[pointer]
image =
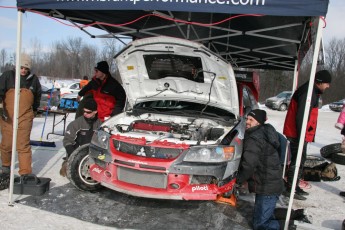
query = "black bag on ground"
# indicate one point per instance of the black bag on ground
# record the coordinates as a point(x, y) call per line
point(318, 168)
point(330, 173)
point(311, 174)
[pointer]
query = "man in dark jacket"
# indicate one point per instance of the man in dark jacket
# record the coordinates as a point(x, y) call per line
point(293, 125)
point(30, 96)
point(80, 131)
point(107, 92)
point(260, 166)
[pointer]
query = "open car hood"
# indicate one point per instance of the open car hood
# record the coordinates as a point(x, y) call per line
point(163, 68)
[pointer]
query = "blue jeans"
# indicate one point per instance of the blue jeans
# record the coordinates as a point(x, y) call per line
point(263, 217)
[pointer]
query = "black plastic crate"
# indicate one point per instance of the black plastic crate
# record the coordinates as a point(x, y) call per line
point(31, 185)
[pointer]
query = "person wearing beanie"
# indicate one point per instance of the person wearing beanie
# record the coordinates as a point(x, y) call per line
point(80, 131)
point(107, 92)
point(293, 126)
point(259, 115)
point(30, 96)
point(260, 167)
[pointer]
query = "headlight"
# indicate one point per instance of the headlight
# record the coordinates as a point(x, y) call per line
point(209, 154)
point(101, 139)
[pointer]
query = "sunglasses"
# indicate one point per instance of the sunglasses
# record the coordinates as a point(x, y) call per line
point(88, 112)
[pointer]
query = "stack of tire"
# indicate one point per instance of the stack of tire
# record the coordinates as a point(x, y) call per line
point(333, 152)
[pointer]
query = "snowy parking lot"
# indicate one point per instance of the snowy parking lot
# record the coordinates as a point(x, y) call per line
point(65, 207)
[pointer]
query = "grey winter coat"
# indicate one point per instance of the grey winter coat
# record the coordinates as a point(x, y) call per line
point(79, 132)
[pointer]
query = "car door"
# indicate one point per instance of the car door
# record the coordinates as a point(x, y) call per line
point(247, 99)
point(75, 87)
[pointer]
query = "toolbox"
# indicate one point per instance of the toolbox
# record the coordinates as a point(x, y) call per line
point(30, 184)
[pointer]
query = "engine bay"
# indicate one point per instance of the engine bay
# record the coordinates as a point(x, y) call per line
point(198, 130)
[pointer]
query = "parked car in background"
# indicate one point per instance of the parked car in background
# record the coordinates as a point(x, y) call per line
point(337, 106)
point(70, 88)
point(280, 102)
point(47, 95)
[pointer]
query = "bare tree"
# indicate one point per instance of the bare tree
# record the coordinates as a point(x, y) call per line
point(3, 59)
point(89, 55)
point(72, 49)
point(35, 54)
point(110, 49)
point(335, 55)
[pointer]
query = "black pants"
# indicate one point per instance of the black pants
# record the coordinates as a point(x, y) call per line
point(291, 171)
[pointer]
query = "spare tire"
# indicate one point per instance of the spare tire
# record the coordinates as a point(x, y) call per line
point(328, 150)
point(338, 158)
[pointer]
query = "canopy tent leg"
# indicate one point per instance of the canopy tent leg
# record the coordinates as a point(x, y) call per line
point(16, 105)
point(318, 31)
point(295, 77)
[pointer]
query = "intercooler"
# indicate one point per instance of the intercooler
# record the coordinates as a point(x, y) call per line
point(143, 178)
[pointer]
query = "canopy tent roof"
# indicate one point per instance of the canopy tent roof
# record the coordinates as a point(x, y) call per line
point(258, 34)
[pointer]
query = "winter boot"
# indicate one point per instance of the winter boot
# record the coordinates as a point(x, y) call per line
point(300, 191)
point(5, 170)
point(63, 170)
point(4, 177)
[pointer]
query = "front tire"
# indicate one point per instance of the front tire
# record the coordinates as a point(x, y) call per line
point(78, 170)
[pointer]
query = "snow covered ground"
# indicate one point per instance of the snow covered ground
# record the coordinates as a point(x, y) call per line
point(64, 207)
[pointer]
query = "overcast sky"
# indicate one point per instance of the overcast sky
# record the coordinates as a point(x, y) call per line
point(47, 31)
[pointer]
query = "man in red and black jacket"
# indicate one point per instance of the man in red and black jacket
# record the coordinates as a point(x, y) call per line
point(106, 91)
point(293, 125)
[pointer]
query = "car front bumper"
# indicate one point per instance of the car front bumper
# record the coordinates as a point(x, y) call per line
point(160, 178)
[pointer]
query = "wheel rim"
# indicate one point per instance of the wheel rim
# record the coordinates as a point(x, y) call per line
point(283, 107)
point(84, 171)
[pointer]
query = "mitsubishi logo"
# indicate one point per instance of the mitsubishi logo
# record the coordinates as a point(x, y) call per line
point(141, 152)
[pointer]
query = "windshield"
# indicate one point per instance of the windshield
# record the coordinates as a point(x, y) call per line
point(284, 95)
point(169, 65)
point(183, 108)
